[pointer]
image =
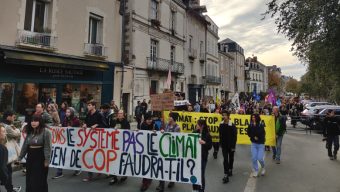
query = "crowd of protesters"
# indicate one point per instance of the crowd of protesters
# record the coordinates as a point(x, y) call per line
point(37, 144)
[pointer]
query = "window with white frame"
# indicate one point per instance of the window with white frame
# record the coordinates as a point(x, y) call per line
point(153, 50)
point(154, 9)
point(95, 29)
point(36, 16)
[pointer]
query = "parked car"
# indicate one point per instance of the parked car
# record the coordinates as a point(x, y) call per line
point(317, 121)
point(313, 104)
point(308, 114)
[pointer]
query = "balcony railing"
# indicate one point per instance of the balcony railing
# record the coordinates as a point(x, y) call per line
point(159, 64)
point(192, 53)
point(36, 40)
point(213, 79)
point(97, 50)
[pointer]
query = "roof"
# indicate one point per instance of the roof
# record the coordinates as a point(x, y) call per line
point(227, 40)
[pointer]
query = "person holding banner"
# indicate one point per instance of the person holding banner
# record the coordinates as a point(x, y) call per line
point(40, 110)
point(94, 119)
point(37, 146)
point(206, 142)
point(147, 125)
point(257, 136)
point(173, 127)
point(120, 123)
point(71, 120)
point(228, 138)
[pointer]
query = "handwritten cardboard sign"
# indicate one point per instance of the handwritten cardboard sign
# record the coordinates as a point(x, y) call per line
point(162, 101)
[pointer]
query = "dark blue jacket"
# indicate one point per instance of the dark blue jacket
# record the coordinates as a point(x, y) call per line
point(257, 131)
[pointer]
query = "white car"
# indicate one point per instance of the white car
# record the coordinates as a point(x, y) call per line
point(314, 104)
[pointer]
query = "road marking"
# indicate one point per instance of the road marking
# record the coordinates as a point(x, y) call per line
point(251, 184)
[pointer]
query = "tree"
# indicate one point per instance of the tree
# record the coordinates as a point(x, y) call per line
point(274, 81)
point(314, 28)
point(305, 21)
point(292, 85)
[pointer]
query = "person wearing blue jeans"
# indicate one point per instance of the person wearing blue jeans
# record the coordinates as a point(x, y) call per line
point(257, 136)
point(280, 130)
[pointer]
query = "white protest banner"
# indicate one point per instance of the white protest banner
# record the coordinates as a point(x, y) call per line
point(172, 157)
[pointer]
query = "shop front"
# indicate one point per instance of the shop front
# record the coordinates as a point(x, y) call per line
point(27, 78)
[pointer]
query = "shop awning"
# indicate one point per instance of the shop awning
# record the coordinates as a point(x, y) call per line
point(27, 58)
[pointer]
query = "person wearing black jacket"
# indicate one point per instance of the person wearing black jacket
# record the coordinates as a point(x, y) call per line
point(206, 142)
point(257, 134)
point(120, 123)
point(331, 134)
point(108, 114)
point(228, 138)
point(94, 119)
point(138, 114)
point(147, 125)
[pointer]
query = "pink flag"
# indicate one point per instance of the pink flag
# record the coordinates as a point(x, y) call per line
point(168, 81)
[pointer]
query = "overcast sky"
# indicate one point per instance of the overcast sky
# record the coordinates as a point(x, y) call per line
point(241, 21)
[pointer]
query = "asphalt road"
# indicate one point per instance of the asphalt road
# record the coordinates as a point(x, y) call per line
point(304, 167)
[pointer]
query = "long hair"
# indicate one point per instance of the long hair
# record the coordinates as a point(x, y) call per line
point(39, 129)
point(65, 104)
point(257, 118)
point(72, 111)
point(53, 108)
point(203, 124)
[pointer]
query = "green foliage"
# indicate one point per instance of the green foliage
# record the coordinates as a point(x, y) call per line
point(314, 28)
point(292, 86)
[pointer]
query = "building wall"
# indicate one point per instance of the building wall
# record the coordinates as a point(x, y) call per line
point(139, 37)
point(68, 21)
point(9, 17)
point(212, 66)
point(226, 61)
point(69, 26)
point(196, 30)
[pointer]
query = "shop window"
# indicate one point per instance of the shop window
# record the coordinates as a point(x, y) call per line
point(6, 96)
point(47, 94)
point(27, 97)
point(77, 96)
